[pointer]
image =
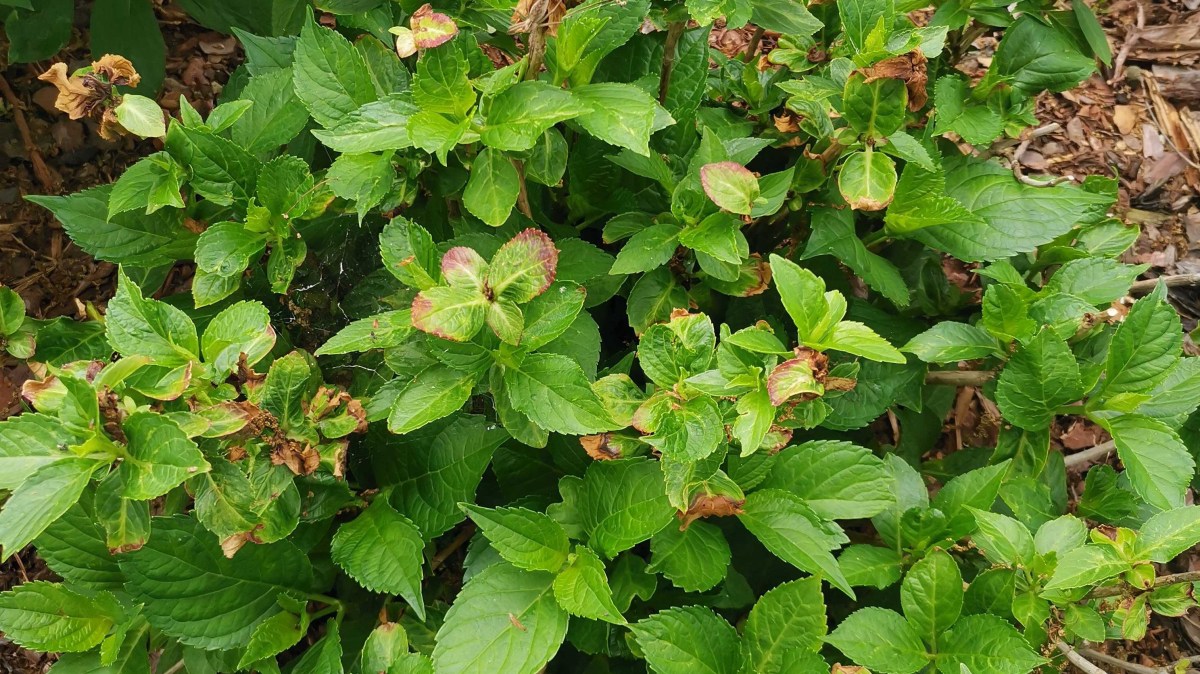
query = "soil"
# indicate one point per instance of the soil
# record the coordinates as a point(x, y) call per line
point(1132, 120)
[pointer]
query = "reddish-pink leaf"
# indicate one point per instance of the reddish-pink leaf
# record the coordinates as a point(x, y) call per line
point(431, 28)
point(730, 185)
point(523, 268)
point(462, 267)
point(450, 313)
point(792, 378)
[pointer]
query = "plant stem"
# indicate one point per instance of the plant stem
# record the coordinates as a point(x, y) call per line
point(326, 599)
point(752, 46)
point(174, 668)
point(442, 555)
point(1173, 281)
point(538, 16)
point(674, 31)
point(43, 173)
point(1088, 455)
point(523, 194)
point(875, 238)
point(1161, 581)
point(1134, 667)
point(1078, 660)
point(959, 377)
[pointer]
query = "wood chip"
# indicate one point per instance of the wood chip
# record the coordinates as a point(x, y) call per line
point(1125, 117)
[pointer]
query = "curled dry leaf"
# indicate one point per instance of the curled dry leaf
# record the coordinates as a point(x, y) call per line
point(911, 68)
point(710, 505)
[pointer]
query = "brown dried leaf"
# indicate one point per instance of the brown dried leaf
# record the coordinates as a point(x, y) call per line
point(911, 68)
point(710, 505)
point(118, 70)
point(74, 98)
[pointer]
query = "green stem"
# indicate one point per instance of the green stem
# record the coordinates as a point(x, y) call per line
point(674, 30)
point(326, 599)
point(875, 238)
point(1161, 581)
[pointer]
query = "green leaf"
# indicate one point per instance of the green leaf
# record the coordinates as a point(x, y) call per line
point(74, 548)
point(126, 522)
point(505, 621)
point(553, 391)
point(1040, 376)
point(524, 538)
point(493, 187)
point(520, 115)
point(221, 170)
point(1006, 314)
point(838, 480)
point(875, 109)
point(648, 249)
point(922, 201)
point(833, 234)
point(192, 592)
point(1085, 566)
point(957, 111)
point(362, 178)
point(227, 248)
point(375, 127)
point(325, 656)
point(241, 330)
point(1168, 534)
point(546, 162)
point(974, 489)
point(1095, 280)
point(1175, 397)
point(1035, 56)
point(277, 116)
point(1003, 540)
point(792, 531)
point(788, 618)
point(273, 636)
point(949, 342)
point(148, 185)
point(40, 500)
point(127, 238)
point(235, 503)
point(1009, 216)
point(409, 253)
point(881, 640)
point(687, 640)
point(582, 588)
point(381, 331)
point(870, 566)
point(695, 559)
point(858, 339)
point(719, 236)
point(12, 311)
point(358, 548)
point(455, 314)
point(784, 16)
point(730, 185)
point(622, 503)
point(433, 469)
point(49, 617)
point(330, 75)
point(29, 442)
point(985, 643)
point(1089, 25)
point(441, 84)
point(803, 296)
point(867, 180)
point(932, 595)
point(549, 315)
point(159, 456)
point(1144, 347)
point(621, 115)
point(1157, 463)
point(141, 116)
point(433, 393)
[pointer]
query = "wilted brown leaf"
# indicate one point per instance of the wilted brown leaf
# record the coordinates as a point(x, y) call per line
point(911, 68)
